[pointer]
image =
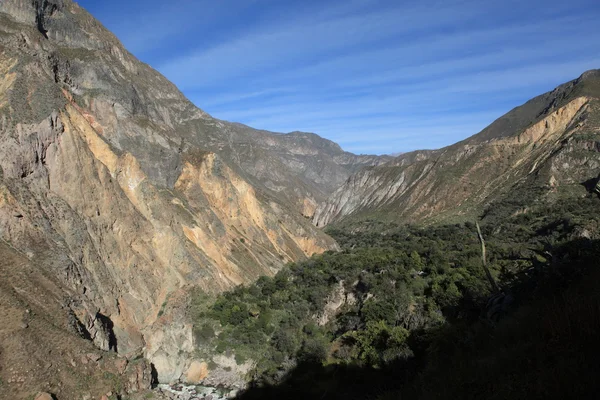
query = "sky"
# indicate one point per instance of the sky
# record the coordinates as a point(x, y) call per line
point(375, 76)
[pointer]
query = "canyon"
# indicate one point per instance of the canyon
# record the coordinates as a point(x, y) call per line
point(120, 201)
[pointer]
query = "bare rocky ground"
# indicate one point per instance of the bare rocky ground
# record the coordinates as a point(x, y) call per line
point(40, 348)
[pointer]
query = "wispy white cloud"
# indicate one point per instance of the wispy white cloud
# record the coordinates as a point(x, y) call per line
point(145, 26)
point(229, 98)
point(302, 40)
point(430, 96)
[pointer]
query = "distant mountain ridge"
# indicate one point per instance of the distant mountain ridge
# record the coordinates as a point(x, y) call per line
point(548, 146)
point(298, 167)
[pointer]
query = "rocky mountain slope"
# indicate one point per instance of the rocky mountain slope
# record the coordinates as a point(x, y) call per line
point(302, 169)
point(130, 197)
point(544, 149)
point(40, 346)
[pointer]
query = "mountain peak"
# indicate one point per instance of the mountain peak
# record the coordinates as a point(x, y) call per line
point(592, 74)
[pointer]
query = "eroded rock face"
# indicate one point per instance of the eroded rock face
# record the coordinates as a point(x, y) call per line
point(228, 373)
point(548, 144)
point(196, 372)
point(133, 196)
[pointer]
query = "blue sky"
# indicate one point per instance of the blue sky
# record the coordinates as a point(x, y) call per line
point(374, 76)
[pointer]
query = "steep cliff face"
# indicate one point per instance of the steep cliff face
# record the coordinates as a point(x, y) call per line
point(549, 146)
point(130, 195)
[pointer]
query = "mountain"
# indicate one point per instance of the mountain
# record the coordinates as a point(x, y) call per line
point(128, 198)
point(545, 149)
point(302, 169)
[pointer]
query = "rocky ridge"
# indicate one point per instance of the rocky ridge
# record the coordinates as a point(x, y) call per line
point(547, 147)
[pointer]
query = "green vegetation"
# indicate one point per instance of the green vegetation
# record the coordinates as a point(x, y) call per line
point(385, 288)
point(399, 296)
point(163, 306)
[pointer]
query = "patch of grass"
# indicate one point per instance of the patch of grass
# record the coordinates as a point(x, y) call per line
point(114, 380)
